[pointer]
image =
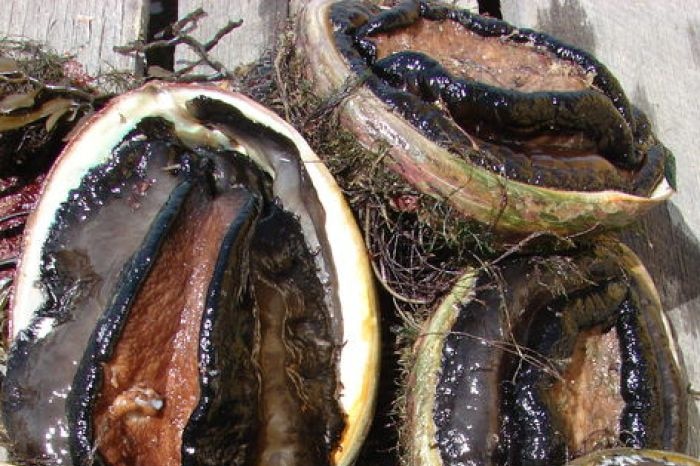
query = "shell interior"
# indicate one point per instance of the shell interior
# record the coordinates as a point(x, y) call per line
point(192, 287)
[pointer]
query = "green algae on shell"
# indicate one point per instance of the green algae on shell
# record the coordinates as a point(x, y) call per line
point(540, 360)
point(193, 289)
point(552, 158)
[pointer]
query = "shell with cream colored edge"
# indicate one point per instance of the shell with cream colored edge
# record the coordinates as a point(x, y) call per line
point(193, 290)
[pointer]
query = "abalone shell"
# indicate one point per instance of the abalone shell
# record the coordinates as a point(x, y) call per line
point(193, 290)
point(538, 360)
point(509, 126)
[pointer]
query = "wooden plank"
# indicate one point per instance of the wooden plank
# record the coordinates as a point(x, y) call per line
point(87, 29)
point(471, 5)
point(262, 21)
point(654, 50)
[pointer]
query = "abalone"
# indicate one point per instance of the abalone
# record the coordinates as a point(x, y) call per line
point(539, 360)
point(509, 126)
point(193, 290)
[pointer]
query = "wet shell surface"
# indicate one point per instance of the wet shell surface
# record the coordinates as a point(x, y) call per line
point(193, 290)
point(510, 126)
point(632, 457)
point(540, 360)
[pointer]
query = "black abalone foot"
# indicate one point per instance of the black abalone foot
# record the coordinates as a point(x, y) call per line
point(508, 116)
point(508, 127)
point(541, 360)
point(76, 273)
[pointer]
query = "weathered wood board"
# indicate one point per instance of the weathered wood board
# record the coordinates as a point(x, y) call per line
point(262, 22)
point(88, 29)
point(654, 50)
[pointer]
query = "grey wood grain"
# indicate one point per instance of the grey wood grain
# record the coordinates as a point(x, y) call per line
point(262, 21)
point(87, 29)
